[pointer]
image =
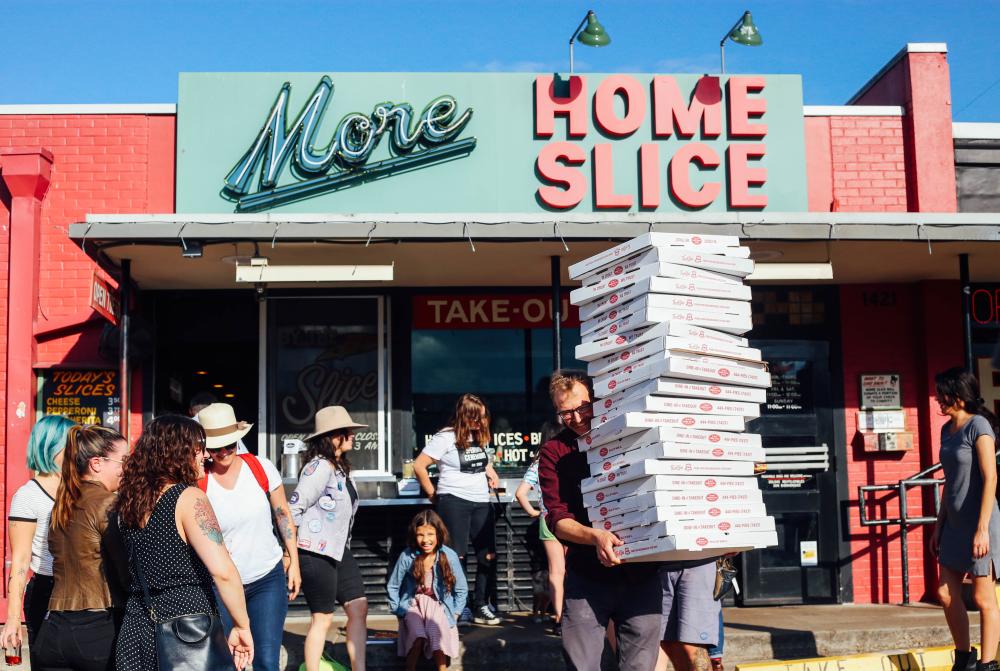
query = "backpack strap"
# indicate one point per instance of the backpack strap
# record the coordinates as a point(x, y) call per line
point(257, 470)
point(203, 484)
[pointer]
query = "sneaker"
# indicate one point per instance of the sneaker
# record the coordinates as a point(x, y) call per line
point(716, 663)
point(485, 616)
point(465, 619)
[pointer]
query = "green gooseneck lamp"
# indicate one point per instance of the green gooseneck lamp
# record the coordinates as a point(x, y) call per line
point(593, 35)
point(743, 32)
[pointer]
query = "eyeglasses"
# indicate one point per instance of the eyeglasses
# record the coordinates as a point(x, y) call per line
point(583, 409)
point(226, 448)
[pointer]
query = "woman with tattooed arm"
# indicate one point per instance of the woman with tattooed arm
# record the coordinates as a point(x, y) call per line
point(247, 495)
point(173, 538)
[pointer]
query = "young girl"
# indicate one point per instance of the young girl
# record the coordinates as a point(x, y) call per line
point(427, 592)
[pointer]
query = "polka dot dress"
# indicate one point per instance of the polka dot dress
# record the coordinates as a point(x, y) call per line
point(178, 582)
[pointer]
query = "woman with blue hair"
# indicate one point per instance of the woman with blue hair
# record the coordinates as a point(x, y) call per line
point(28, 517)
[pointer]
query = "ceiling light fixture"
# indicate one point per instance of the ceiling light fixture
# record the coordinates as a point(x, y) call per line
point(779, 272)
point(260, 271)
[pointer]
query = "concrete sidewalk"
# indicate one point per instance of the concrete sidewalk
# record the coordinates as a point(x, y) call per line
point(752, 634)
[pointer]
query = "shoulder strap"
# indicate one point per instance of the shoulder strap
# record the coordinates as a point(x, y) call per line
point(258, 471)
point(141, 575)
point(203, 484)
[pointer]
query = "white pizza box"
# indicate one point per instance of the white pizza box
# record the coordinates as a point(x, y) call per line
point(653, 257)
point(616, 319)
point(671, 435)
point(687, 303)
point(705, 286)
point(648, 514)
point(713, 244)
point(675, 404)
point(694, 546)
point(666, 386)
point(647, 467)
point(681, 452)
point(712, 503)
point(683, 331)
point(664, 285)
point(678, 483)
point(718, 322)
point(688, 367)
point(710, 347)
point(695, 526)
point(632, 422)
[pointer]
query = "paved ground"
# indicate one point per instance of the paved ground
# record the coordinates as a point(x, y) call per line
point(752, 634)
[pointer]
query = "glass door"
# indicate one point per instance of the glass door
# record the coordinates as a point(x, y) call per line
point(330, 351)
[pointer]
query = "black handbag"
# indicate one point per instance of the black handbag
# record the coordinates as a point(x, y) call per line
point(193, 642)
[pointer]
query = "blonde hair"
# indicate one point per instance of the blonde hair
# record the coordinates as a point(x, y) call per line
point(563, 380)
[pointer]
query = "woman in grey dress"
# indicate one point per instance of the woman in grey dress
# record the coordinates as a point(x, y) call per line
point(966, 537)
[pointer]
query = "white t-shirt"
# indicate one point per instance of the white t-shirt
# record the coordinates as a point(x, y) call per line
point(31, 503)
point(244, 514)
point(461, 473)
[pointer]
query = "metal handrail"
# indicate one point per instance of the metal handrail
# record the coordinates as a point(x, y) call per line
point(920, 479)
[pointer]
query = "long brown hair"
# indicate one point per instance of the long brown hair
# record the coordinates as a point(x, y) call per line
point(83, 443)
point(323, 446)
point(471, 417)
point(430, 518)
point(165, 453)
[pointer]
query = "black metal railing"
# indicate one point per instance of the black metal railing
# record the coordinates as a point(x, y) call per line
point(901, 489)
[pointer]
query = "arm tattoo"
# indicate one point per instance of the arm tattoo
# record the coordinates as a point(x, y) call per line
point(204, 515)
point(285, 526)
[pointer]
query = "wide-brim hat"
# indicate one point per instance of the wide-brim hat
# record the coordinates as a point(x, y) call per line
point(333, 418)
point(221, 427)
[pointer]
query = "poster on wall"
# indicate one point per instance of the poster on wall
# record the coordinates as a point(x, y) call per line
point(84, 396)
point(328, 353)
point(880, 391)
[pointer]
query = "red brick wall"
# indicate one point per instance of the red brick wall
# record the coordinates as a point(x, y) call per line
point(107, 164)
point(913, 330)
point(869, 172)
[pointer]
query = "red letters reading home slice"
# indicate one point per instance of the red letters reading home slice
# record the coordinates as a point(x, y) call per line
point(559, 163)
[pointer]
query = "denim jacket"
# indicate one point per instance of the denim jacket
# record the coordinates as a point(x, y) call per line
point(322, 509)
point(402, 585)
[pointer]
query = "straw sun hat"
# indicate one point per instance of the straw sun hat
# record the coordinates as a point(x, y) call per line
point(333, 418)
point(221, 427)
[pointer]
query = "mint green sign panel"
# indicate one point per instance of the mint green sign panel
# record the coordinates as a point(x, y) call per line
point(485, 142)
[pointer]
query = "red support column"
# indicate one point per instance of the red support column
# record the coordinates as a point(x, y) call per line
point(25, 173)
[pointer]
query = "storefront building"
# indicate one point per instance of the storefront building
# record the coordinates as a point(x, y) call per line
point(389, 241)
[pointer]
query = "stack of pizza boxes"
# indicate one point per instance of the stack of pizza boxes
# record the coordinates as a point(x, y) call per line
point(672, 468)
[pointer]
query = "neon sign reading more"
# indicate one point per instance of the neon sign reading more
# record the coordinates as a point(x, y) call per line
point(414, 141)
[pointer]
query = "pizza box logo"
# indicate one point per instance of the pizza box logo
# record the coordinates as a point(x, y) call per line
point(718, 452)
point(712, 497)
point(714, 512)
point(608, 403)
point(611, 477)
point(695, 240)
point(715, 390)
point(687, 421)
point(724, 526)
point(710, 482)
point(603, 451)
point(600, 496)
point(625, 355)
point(620, 340)
point(612, 314)
point(607, 466)
point(613, 329)
point(724, 372)
point(607, 525)
point(603, 511)
point(612, 284)
point(613, 299)
point(619, 270)
point(611, 385)
point(714, 438)
point(702, 541)
point(588, 440)
point(705, 407)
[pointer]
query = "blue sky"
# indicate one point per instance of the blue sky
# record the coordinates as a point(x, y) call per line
point(86, 51)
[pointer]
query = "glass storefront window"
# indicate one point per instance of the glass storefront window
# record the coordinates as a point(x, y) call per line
point(508, 367)
point(330, 351)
